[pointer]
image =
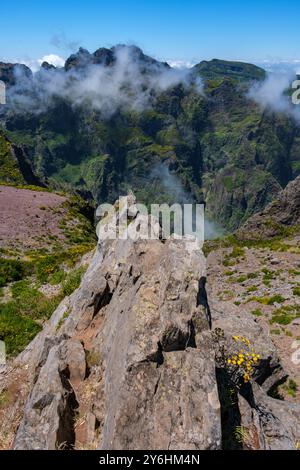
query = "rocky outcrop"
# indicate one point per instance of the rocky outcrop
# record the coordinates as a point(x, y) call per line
point(108, 57)
point(128, 361)
point(267, 423)
point(280, 214)
point(147, 348)
point(261, 421)
point(52, 404)
point(10, 72)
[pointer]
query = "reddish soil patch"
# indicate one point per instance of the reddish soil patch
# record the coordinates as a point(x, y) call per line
point(27, 218)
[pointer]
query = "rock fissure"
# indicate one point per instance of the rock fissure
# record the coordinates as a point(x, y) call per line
point(101, 299)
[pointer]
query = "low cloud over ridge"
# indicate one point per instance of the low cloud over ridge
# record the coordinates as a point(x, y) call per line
point(129, 80)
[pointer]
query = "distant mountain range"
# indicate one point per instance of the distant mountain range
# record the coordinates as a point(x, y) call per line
point(109, 121)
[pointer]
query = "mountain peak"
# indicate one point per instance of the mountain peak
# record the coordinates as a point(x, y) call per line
point(9, 72)
point(238, 71)
point(107, 57)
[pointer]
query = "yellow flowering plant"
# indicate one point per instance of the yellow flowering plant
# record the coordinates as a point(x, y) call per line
point(237, 356)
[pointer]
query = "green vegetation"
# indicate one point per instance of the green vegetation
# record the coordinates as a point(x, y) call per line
point(292, 388)
point(257, 312)
point(251, 289)
point(72, 281)
point(252, 275)
point(217, 69)
point(296, 290)
point(268, 276)
point(229, 273)
point(16, 331)
point(93, 358)
point(226, 295)
point(230, 259)
point(21, 317)
point(277, 243)
point(57, 277)
point(285, 314)
point(242, 434)
point(13, 270)
point(9, 168)
point(4, 398)
point(62, 320)
point(268, 300)
point(241, 279)
point(31, 187)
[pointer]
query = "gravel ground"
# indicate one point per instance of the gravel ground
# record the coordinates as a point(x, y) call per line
point(27, 217)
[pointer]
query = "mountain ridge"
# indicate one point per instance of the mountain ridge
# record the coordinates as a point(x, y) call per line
point(210, 138)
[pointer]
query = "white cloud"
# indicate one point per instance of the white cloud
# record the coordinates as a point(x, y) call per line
point(123, 85)
point(271, 94)
point(181, 64)
point(279, 66)
point(52, 59)
point(34, 64)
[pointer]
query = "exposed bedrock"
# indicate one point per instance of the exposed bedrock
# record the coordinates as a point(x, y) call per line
point(128, 360)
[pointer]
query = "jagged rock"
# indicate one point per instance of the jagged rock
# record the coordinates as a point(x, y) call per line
point(48, 421)
point(282, 213)
point(268, 423)
point(236, 322)
point(252, 419)
point(45, 65)
point(136, 311)
point(159, 408)
point(78, 60)
point(107, 57)
point(10, 72)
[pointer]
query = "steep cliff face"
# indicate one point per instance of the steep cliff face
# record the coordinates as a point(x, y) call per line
point(9, 73)
point(15, 167)
point(128, 360)
point(279, 216)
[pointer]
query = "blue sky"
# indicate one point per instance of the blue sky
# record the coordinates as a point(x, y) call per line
point(189, 30)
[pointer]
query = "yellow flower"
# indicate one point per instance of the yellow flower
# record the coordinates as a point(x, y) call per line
point(229, 361)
